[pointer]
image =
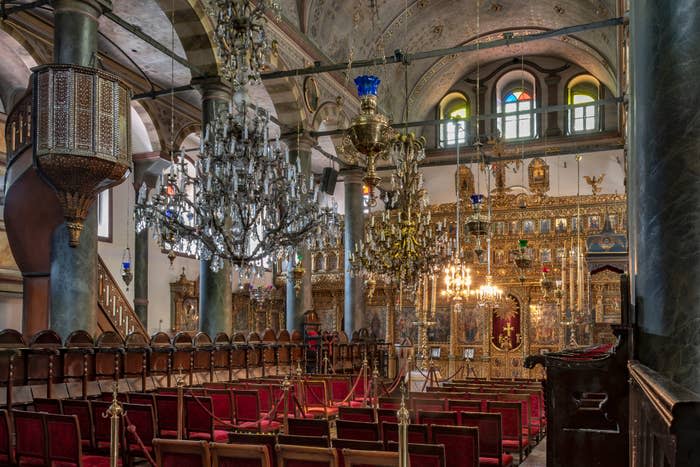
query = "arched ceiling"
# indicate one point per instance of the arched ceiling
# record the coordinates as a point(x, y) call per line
point(337, 26)
point(14, 72)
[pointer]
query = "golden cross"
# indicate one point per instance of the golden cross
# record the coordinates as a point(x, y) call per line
point(508, 328)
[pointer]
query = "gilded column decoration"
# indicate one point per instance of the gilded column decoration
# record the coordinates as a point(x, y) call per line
point(538, 176)
point(184, 304)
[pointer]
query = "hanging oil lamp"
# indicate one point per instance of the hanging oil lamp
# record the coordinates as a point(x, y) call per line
point(127, 274)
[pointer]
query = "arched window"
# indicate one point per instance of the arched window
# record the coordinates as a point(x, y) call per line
point(454, 106)
point(516, 101)
point(583, 91)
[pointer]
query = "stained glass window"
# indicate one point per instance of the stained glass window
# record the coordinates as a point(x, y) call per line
point(519, 120)
point(456, 107)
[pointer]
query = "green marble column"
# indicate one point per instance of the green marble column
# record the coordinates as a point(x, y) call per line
point(665, 192)
point(73, 288)
point(215, 305)
point(299, 302)
point(354, 230)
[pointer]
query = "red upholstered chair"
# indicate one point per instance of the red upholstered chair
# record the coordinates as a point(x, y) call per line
point(464, 405)
point(63, 440)
point(531, 430)
point(256, 438)
point(178, 453)
point(340, 396)
point(362, 458)
point(246, 409)
point(387, 415)
point(340, 444)
point(83, 411)
point(143, 398)
point(303, 456)
point(265, 397)
point(437, 418)
point(31, 447)
point(239, 455)
point(363, 431)
point(513, 438)
point(141, 422)
point(166, 415)
point(356, 414)
point(389, 403)
point(299, 426)
point(490, 438)
point(222, 403)
point(199, 423)
point(300, 440)
point(101, 426)
point(294, 407)
point(7, 454)
point(316, 399)
point(423, 455)
point(416, 433)
point(47, 405)
point(433, 405)
point(461, 444)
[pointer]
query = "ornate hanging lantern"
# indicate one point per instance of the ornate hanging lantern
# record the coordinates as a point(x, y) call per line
point(82, 136)
point(478, 222)
point(370, 133)
point(127, 275)
point(522, 259)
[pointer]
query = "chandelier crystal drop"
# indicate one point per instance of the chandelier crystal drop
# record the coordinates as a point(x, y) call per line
point(489, 294)
point(240, 38)
point(241, 201)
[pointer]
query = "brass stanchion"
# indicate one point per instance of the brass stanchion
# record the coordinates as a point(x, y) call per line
point(180, 383)
point(404, 419)
point(363, 371)
point(115, 411)
point(300, 386)
point(286, 385)
point(375, 385)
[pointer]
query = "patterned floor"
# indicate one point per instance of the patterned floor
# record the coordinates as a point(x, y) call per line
point(538, 456)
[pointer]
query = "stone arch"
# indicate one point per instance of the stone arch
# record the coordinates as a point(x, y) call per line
point(195, 31)
point(153, 135)
point(17, 63)
point(287, 98)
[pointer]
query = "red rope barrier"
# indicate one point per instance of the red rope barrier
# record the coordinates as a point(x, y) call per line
point(354, 386)
point(131, 428)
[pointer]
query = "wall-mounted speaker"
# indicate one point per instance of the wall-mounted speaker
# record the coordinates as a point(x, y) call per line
point(328, 179)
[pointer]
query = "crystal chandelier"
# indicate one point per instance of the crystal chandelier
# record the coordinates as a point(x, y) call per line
point(458, 278)
point(240, 38)
point(401, 246)
point(243, 202)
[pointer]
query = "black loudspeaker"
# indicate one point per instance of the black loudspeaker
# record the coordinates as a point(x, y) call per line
point(328, 180)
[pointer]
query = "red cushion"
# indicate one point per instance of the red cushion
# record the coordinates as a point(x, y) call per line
point(31, 461)
point(170, 434)
point(513, 444)
point(506, 460)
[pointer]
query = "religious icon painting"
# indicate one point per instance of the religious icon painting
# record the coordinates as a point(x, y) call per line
point(514, 228)
point(506, 325)
point(546, 255)
point(499, 257)
point(560, 225)
point(594, 223)
point(574, 224)
point(499, 228)
point(612, 220)
point(529, 226)
point(468, 326)
point(561, 253)
point(545, 226)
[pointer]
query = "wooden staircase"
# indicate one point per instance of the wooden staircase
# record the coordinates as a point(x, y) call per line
point(114, 311)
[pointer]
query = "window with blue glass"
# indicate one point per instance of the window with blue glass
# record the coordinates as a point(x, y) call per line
point(454, 106)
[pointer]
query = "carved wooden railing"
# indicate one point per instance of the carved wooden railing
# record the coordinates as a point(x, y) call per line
point(18, 129)
point(114, 304)
point(664, 421)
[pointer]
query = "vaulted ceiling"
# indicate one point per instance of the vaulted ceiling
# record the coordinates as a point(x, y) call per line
point(353, 30)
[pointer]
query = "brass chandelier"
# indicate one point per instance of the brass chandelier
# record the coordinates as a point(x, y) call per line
point(401, 246)
point(458, 278)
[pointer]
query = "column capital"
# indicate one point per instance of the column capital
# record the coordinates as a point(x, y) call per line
point(552, 80)
point(353, 175)
point(213, 88)
point(91, 8)
point(302, 142)
point(148, 166)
